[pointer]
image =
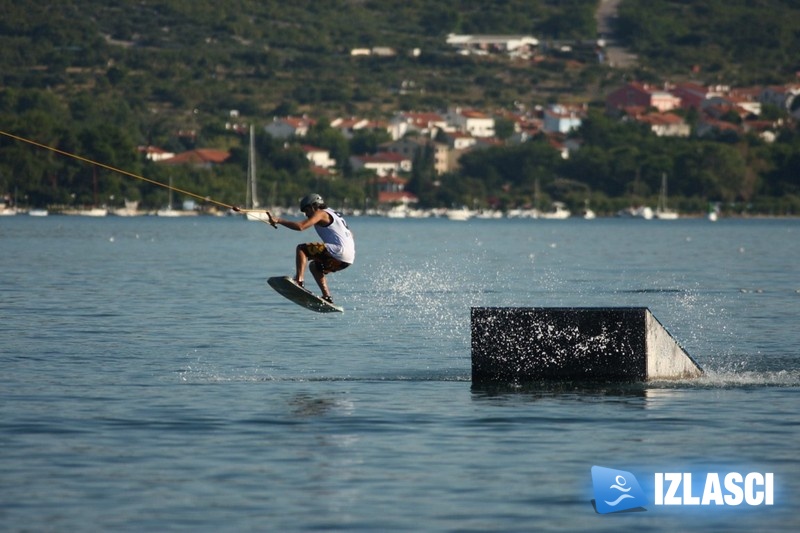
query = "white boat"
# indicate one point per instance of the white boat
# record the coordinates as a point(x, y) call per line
point(559, 212)
point(251, 192)
point(662, 211)
point(636, 212)
point(131, 209)
point(459, 214)
point(95, 210)
point(8, 207)
point(666, 215)
point(418, 213)
point(397, 211)
point(523, 213)
point(90, 212)
point(38, 212)
point(713, 212)
point(171, 212)
point(489, 214)
point(588, 214)
point(259, 217)
point(168, 212)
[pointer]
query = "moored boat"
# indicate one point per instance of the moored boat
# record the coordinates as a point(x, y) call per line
point(662, 211)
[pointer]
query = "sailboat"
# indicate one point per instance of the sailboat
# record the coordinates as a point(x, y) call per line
point(131, 209)
point(713, 212)
point(588, 214)
point(251, 195)
point(662, 211)
point(169, 211)
point(94, 210)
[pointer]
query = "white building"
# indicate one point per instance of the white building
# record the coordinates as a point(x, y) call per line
point(383, 163)
point(155, 154)
point(475, 123)
point(427, 124)
point(560, 119)
point(489, 43)
point(319, 156)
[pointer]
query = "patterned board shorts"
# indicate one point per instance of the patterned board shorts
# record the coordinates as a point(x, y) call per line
point(316, 251)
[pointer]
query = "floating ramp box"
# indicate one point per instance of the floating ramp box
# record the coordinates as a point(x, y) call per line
point(592, 344)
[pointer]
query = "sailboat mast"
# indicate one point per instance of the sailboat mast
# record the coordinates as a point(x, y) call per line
point(94, 186)
point(251, 170)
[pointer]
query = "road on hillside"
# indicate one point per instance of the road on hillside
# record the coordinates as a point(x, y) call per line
point(616, 56)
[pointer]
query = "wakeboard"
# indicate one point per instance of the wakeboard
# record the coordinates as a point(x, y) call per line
point(288, 288)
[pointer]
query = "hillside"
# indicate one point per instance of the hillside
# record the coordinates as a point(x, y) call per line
point(259, 56)
point(737, 42)
point(102, 77)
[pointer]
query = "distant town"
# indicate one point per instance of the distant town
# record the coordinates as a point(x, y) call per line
point(667, 110)
point(456, 131)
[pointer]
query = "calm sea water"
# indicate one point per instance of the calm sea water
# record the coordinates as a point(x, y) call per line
point(152, 381)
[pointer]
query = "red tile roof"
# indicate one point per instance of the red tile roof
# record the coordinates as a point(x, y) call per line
point(199, 156)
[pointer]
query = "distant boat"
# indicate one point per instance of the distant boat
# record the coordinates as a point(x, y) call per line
point(7, 210)
point(489, 214)
point(90, 212)
point(169, 211)
point(95, 210)
point(131, 209)
point(38, 212)
point(559, 212)
point(713, 212)
point(397, 211)
point(459, 214)
point(523, 213)
point(636, 212)
point(251, 192)
point(662, 211)
point(588, 214)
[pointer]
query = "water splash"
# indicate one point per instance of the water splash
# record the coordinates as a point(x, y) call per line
point(736, 379)
point(429, 302)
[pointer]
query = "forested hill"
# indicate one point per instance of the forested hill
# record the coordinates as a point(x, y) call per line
point(737, 42)
point(100, 78)
point(259, 55)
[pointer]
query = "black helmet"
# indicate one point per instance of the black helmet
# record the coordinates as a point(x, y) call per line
point(311, 199)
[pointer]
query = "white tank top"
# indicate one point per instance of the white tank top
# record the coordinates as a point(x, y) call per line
point(338, 238)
